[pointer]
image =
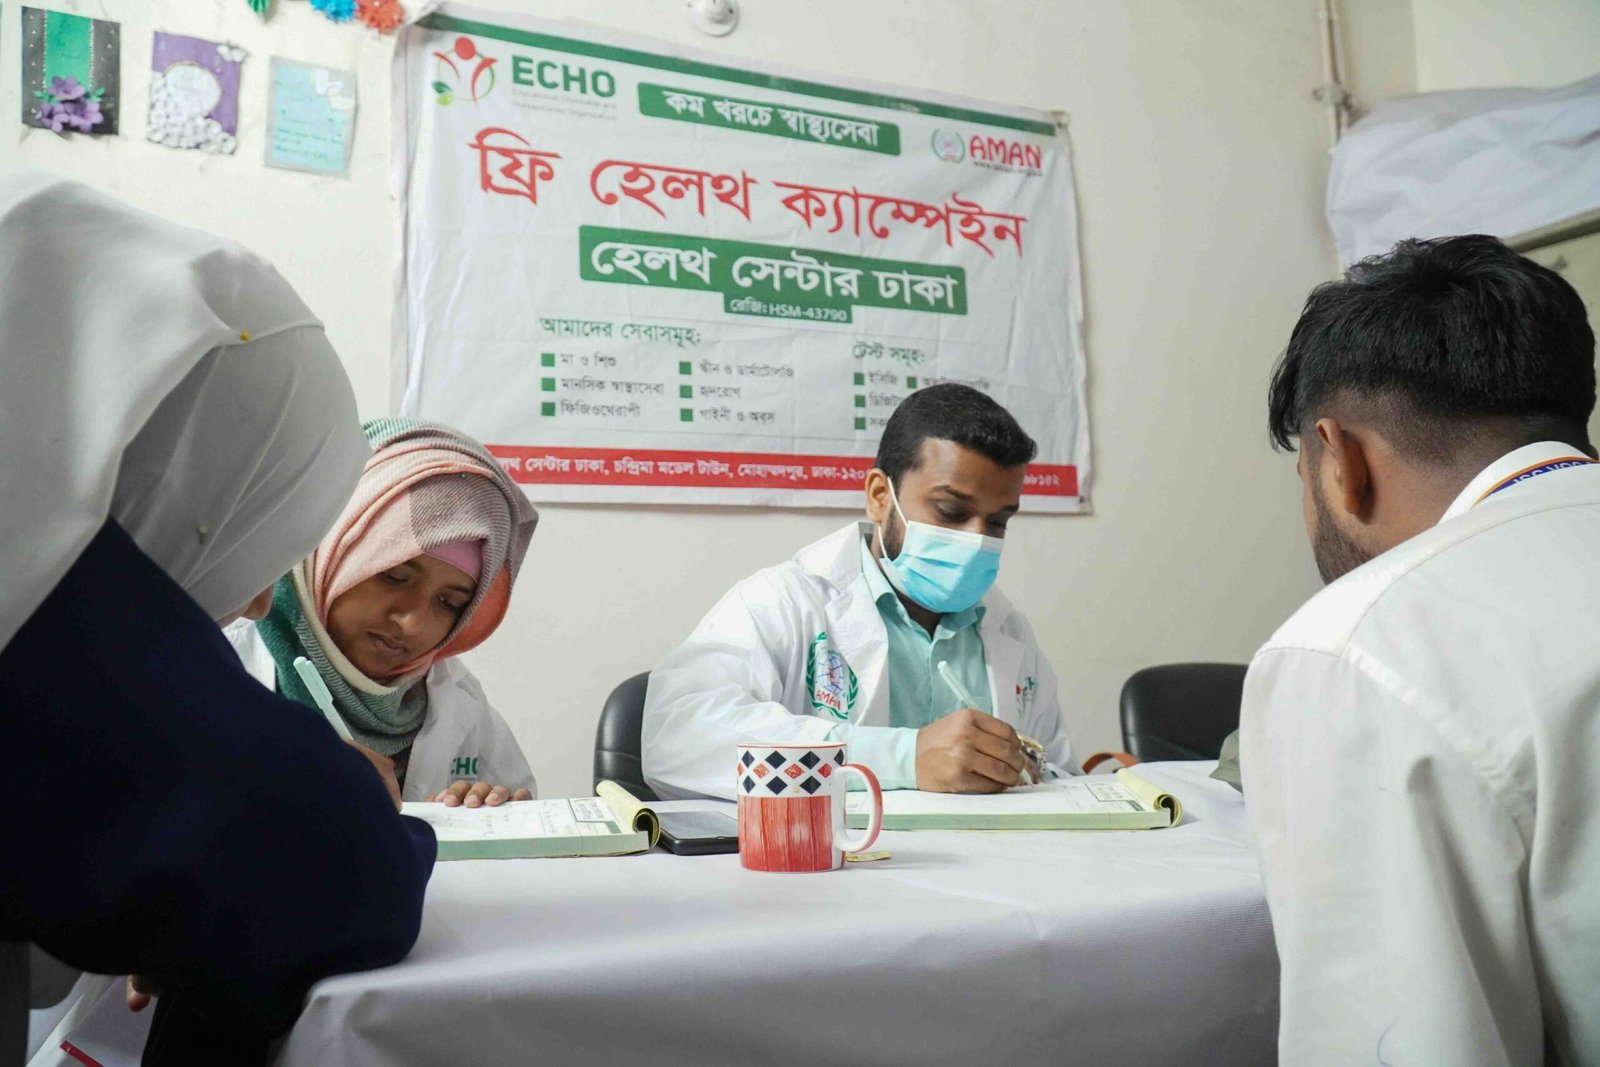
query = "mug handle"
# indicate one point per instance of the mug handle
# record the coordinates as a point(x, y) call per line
point(875, 820)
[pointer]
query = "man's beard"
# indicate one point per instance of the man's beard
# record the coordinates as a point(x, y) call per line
point(892, 536)
point(1336, 554)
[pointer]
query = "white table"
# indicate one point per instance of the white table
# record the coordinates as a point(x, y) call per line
point(1149, 947)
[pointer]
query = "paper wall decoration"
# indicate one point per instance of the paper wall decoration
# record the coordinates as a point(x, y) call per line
point(336, 10)
point(194, 93)
point(311, 117)
point(385, 16)
point(71, 72)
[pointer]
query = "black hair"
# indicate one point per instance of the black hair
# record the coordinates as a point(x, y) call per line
point(951, 412)
point(1442, 339)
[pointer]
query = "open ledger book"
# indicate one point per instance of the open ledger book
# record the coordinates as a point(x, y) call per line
point(1124, 801)
point(613, 823)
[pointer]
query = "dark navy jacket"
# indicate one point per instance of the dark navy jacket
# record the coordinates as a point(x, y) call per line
point(171, 817)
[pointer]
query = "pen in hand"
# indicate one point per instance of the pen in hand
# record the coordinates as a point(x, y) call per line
point(319, 693)
point(1031, 749)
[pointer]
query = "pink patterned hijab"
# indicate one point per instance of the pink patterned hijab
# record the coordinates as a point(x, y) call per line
point(430, 490)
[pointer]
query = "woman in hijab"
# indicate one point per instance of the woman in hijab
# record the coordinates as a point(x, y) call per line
point(417, 570)
point(175, 432)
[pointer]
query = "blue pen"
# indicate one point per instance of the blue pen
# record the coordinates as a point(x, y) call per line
point(319, 693)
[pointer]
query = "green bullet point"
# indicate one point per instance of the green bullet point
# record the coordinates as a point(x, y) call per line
point(911, 382)
point(547, 359)
point(685, 415)
point(861, 424)
point(861, 401)
point(547, 384)
point(685, 368)
point(547, 408)
point(686, 391)
point(861, 379)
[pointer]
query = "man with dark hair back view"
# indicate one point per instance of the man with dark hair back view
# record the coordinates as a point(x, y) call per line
point(845, 641)
point(1421, 741)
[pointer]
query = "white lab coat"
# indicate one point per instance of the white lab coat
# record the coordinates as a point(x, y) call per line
point(798, 653)
point(462, 737)
point(1421, 761)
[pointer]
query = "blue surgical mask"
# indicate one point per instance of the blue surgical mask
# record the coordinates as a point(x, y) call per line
point(943, 570)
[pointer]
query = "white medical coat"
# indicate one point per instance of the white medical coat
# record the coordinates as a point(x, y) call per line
point(798, 653)
point(462, 737)
point(1421, 761)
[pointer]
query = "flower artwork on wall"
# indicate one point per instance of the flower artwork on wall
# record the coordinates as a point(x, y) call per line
point(336, 10)
point(261, 7)
point(71, 72)
point(68, 105)
point(194, 93)
point(385, 16)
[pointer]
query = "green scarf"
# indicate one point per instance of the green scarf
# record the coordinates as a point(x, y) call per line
point(383, 718)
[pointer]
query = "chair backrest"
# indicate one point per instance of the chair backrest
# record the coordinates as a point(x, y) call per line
point(1181, 711)
point(616, 739)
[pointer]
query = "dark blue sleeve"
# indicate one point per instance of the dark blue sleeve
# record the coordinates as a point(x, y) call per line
point(171, 817)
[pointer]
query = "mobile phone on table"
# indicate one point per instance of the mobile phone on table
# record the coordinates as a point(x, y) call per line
point(698, 833)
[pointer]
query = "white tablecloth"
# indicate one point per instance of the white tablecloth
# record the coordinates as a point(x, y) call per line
point(1150, 947)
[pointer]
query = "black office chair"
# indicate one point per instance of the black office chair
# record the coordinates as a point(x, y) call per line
point(1181, 711)
point(616, 740)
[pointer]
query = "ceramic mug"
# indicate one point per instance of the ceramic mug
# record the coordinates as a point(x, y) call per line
point(791, 807)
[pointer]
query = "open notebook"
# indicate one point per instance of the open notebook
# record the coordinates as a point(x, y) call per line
point(1124, 801)
point(613, 823)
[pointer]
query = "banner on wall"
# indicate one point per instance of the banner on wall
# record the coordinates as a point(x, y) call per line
point(643, 275)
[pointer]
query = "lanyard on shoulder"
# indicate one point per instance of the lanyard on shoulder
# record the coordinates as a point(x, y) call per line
point(1533, 472)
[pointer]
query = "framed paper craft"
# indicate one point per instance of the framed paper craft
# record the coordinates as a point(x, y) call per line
point(71, 72)
point(194, 93)
point(311, 117)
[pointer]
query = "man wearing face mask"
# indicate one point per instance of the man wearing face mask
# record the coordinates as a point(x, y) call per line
point(845, 641)
point(1421, 741)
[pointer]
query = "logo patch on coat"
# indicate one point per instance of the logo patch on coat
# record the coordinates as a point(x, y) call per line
point(832, 684)
point(1025, 694)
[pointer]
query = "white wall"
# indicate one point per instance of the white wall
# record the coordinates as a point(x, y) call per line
point(1471, 44)
point(1379, 48)
point(1201, 163)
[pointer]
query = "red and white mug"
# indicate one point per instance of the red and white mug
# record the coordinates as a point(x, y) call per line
point(791, 807)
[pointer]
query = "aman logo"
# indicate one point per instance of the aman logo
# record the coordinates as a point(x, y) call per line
point(949, 146)
point(1001, 153)
point(463, 63)
point(995, 153)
